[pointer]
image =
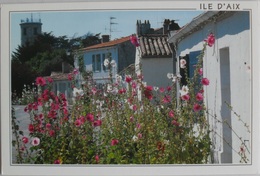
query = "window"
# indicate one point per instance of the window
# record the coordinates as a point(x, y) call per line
point(191, 62)
point(96, 63)
point(35, 31)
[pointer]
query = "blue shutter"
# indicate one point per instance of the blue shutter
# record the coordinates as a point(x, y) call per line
point(193, 60)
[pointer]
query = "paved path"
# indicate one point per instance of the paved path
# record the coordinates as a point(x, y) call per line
point(24, 120)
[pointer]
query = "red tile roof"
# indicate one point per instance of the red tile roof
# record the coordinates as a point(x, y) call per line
point(107, 44)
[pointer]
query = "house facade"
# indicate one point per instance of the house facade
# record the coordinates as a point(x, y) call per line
point(227, 65)
point(154, 55)
point(121, 51)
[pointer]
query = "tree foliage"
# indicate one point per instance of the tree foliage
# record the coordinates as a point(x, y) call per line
point(44, 56)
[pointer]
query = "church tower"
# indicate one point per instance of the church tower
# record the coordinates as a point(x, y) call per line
point(30, 28)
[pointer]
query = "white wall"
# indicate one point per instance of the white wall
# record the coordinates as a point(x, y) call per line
point(232, 33)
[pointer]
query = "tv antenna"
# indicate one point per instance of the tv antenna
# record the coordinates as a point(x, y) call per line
point(111, 23)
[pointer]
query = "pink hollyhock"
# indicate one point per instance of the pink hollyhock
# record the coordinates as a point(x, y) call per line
point(97, 123)
point(185, 97)
point(40, 81)
point(52, 114)
point(25, 140)
point(138, 126)
point(171, 113)
point(134, 85)
point(148, 92)
point(70, 76)
point(175, 123)
point(210, 40)
point(199, 97)
point(128, 79)
point(167, 99)
point(75, 71)
point(35, 141)
point(48, 126)
point(57, 161)
point(169, 88)
point(131, 119)
point(197, 107)
point(134, 41)
point(31, 128)
point(183, 63)
point(114, 142)
point(141, 77)
point(51, 133)
point(90, 117)
point(50, 80)
point(134, 107)
point(161, 89)
point(77, 123)
point(200, 71)
point(122, 91)
point(94, 90)
point(97, 158)
point(205, 81)
point(140, 135)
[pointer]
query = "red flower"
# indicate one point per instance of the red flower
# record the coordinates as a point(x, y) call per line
point(70, 76)
point(134, 41)
point(97, 123)
point(148, 92)
point(175, 123)
point(114, 142)
point(128, 79)
point(51, 133)
point(167, 99)
point(197, 107)
point(171, 113)
point(161, 89)
point(50, 80)
point(31, 128)
point(97, 158)
point(25, 140)
point(199, 97)
point(57, 161)
point(205, 81)
point(77, 122)
point(210, 40)
point(122, 91)
point(185, 97)
point(40, 81)
point(90, 117)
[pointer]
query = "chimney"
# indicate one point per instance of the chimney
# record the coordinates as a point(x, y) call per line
point(166, 26)
point(105, 38)
point(173, 26)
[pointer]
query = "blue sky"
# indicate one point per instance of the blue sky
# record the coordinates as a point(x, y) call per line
point(78, 23)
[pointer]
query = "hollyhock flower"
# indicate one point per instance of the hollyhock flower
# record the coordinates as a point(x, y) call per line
point(197, 107)
point(184, 90)
point(97, 158)
point(97, 123)
point(171, 113)
point(201, 71)
point(205, 81)
point(77, 92)
point(90, 117)
point(52, 114)
point(31, 128)
point(134, 40)
point(128, 79)
point(94, 90)
point(51, 133)
point(134, 107)
point(210, 40)
point(169, 88)
point(118, 78)
point(40, 81)
point(57, 161)
point(140, 135)
point(75, 71)
point(77, 123)
point(175, 123)
point(114, 142)
point(138, 126)
point(199, 97)
point(70, 76)
point(140, 76)
point(48, 126)
point(106, 62)
point(161, 89)
point(170, 75)
point(183, 63)
point(50, 80)
point(185, 97)
point(167, 99)
point(25, 140)
point(35, 141)
point(148, 92)
point(135, 138)
point(122, 91)
point(113, 63)
point(131, 119)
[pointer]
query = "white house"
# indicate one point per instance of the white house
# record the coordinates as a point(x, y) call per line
point(155, 54)
point(120, 50)
point(227, 65)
